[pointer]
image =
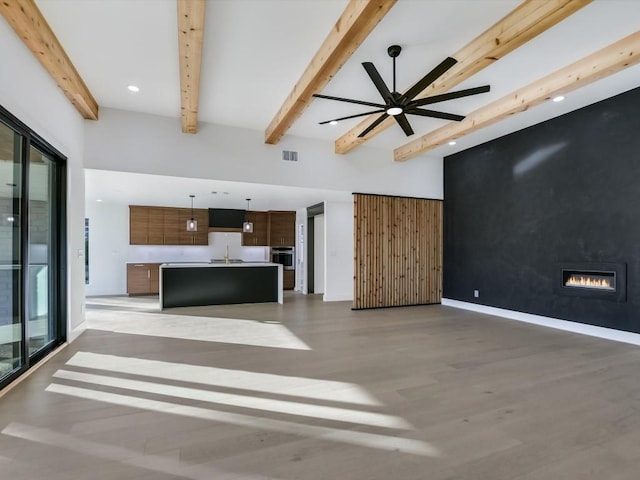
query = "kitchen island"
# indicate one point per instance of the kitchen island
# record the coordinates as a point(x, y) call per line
point(198, 284)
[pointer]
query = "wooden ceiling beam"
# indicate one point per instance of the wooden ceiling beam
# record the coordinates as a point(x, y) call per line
point(354, 25)
point(30, 25)
point(605, 62)
point(190, 40)
point(527, 21)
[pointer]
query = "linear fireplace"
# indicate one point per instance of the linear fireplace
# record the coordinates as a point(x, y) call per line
point(595, 280)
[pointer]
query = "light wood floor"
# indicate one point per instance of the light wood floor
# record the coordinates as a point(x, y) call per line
point(308, 390)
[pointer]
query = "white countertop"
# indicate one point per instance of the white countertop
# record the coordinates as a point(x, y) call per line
point(198, 265)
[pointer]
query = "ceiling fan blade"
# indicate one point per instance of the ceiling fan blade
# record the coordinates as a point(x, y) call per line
point(434, 114)
point(375, 77)
point(351, 116)
point(404, 124)
point(430, 77)
point(375, 123)
point(349, 100)
point(450, 96)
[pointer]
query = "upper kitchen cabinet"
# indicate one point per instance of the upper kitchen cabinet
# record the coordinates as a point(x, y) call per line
point(138, 225)
point(155, 232)
point(199, 237)
point(172, 227)
point(166, 226)
point(260, 235)
point(282, 229)
point(146, 225)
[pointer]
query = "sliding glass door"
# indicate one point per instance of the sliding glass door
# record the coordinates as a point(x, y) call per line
point(10, 255)
point(42, 328)
point(32, 227)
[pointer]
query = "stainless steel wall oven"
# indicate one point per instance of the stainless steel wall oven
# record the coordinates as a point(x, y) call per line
point(285, 256)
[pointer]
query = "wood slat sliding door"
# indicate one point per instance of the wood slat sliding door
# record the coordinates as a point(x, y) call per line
point(398, 251)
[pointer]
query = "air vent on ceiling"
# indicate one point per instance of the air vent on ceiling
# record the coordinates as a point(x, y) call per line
point(289, 156)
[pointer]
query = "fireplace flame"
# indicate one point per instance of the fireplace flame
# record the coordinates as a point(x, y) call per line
point(582, 281)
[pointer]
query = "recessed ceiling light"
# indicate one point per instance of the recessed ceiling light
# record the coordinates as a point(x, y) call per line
point(333, 122)
point(452, 142)
point(98, 200)
point(133, 88)
point(557, 99)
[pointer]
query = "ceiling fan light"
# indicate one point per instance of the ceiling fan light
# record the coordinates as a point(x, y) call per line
point(393, 111)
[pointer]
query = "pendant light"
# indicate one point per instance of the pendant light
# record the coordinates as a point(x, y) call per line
point(192, 224)
point(247, 227)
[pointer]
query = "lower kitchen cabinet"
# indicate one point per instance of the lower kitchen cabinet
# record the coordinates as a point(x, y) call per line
point(143, 278)
point(288, 279)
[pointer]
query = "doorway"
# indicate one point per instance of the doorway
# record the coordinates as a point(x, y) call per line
point(314, 250)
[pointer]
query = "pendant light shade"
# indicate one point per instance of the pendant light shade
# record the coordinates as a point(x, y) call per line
point(247, 227)
point(192, 224)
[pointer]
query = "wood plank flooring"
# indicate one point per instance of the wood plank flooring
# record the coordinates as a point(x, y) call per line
point(311, 390)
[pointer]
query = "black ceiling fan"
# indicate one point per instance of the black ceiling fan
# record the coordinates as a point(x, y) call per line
point(397, 104)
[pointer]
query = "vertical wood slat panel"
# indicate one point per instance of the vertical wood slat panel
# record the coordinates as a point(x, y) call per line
point(398, 251)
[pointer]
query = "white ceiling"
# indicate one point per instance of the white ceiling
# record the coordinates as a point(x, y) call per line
point(256, 50)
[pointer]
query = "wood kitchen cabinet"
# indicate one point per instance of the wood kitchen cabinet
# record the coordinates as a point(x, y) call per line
point(155, 226)
point(166, 226)
point(282, 229)
point(201, 237)
point(260, 234)
point(143, 278)
point(288, 279)
point(138, 225)
point(171, 227)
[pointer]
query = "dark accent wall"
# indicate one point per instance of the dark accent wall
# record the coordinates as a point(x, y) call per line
point(566, 190)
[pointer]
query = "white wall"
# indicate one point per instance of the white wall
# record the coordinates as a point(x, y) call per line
point(29, 93)
point(108, 245)
point(142, 143)
point(338, 251)
point(109, 249)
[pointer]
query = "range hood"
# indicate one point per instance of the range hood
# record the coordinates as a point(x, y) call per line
point(226, 219)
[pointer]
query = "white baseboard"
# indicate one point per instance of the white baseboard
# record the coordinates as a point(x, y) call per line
point(77, 331)
point(337, 298)
point(575, 327)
